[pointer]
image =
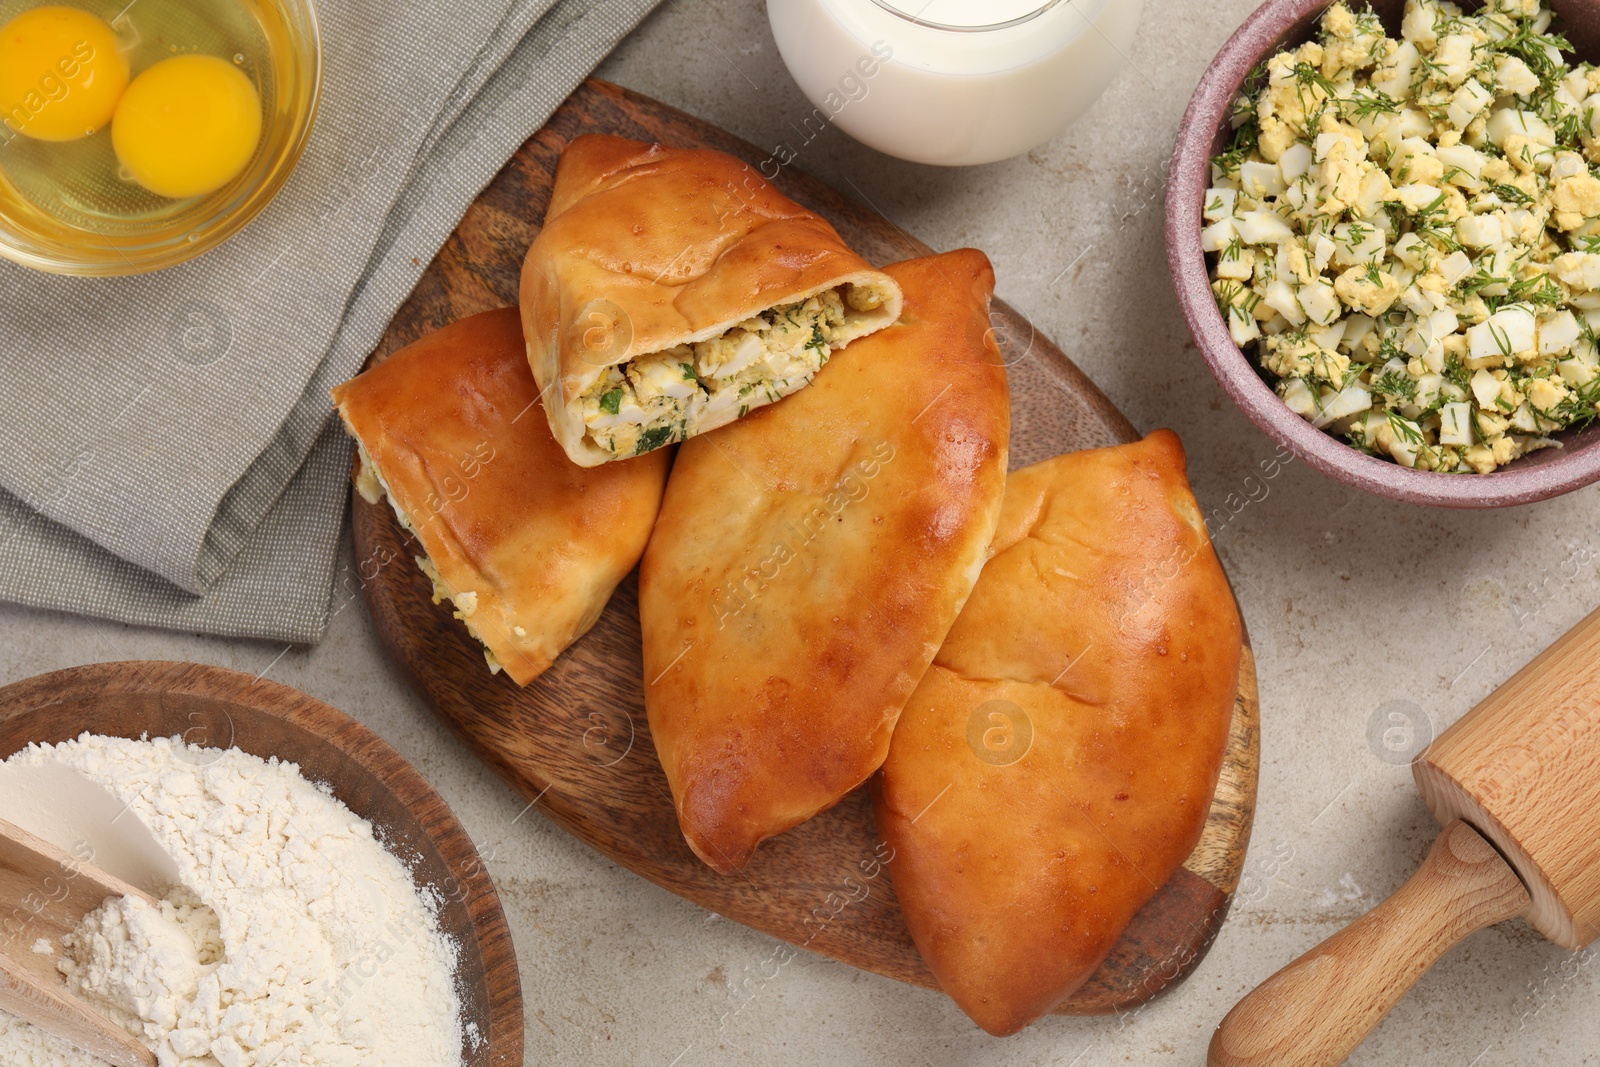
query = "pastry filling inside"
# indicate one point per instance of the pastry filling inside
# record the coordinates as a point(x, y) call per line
point(373, 488)
point(673, 394)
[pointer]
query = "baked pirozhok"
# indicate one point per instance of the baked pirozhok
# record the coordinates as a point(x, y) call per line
point(1056, 764)
point(525, 544)
point(673, 291)
point(810, 558)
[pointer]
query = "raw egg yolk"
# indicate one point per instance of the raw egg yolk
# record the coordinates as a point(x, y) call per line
point(60, 73)
point(187, 126)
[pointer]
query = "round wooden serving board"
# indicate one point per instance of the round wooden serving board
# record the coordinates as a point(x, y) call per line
point(577, 741)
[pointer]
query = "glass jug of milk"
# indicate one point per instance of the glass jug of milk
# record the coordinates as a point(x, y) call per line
point(953, 82)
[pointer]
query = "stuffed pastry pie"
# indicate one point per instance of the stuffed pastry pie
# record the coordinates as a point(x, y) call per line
point(1056, 764)
point(673, 291)
point(527, 546)
point(809, 559)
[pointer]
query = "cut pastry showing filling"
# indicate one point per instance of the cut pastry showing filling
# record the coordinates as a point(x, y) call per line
point(674, 394)
point(524, 544)
point(672, 291)
point(371, 486)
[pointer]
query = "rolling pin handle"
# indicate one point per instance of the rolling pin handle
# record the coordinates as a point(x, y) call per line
point(1316, 1010)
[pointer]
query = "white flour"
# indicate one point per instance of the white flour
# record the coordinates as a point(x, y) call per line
point(296, 939)
point(142, 965)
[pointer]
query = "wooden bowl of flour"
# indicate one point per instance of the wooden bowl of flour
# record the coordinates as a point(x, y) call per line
point(219, 708)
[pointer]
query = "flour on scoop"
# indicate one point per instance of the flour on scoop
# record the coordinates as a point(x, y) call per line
point(295, 937)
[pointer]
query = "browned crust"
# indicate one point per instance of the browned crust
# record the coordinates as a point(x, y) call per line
point(452, 423)
point(1105, 627)
point(645, 247)
point(809, 559)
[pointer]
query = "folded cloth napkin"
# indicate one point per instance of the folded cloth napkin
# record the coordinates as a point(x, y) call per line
point(167, 455)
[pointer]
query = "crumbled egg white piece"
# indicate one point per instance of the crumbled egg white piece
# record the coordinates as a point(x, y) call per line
point(466, 605)
point(1407, 230)
point(373, 488)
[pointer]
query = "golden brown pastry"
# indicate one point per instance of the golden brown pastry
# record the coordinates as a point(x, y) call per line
point(526, 545)
point(809, 559)
point(673, 290)
point(1056, 764)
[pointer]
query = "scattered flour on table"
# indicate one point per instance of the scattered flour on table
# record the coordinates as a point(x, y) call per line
point(295, 940)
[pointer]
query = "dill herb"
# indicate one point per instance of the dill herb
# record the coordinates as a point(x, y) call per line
point(1369, 103)
point(1404, 428)
point(652, 439)
point(1529, 46)
point(1570, 128)
point(1502, 340)
point(1510, 193)
point(1396, 384)
point(1539, 289)
point(1243, 146)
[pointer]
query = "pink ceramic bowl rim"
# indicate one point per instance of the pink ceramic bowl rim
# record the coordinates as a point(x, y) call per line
point(1537, 477)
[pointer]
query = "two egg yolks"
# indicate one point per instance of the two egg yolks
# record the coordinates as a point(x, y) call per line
point(185, 127)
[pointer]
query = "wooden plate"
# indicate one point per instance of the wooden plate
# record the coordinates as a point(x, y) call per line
point(577, 740)
point(219, 708)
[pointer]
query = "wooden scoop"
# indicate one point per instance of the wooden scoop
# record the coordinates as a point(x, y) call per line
point(1516, 784)
point(48, 892)
point(57, 803)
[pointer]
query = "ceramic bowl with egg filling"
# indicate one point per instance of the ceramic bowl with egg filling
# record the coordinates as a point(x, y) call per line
point(1206, 131)
point(215, 708)
point(136, 136)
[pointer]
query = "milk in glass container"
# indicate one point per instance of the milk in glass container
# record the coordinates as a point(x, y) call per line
point(953, 82)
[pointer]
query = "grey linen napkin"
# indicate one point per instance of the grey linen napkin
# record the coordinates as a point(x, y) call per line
point(167, 455)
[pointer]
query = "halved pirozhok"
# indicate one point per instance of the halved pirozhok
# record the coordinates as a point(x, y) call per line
point(526, 545)
point(673, 291)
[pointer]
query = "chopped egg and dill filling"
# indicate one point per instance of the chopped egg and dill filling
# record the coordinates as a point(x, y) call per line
point(671, 395)
point(1407, 231)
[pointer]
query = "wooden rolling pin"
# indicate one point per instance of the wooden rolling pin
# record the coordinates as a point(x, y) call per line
point(47, 892)
point(1516, 785)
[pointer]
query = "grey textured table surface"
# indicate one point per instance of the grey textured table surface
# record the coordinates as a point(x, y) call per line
point(1366, 616)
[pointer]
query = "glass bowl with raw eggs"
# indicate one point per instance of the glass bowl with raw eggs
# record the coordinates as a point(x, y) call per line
point(134, 136)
